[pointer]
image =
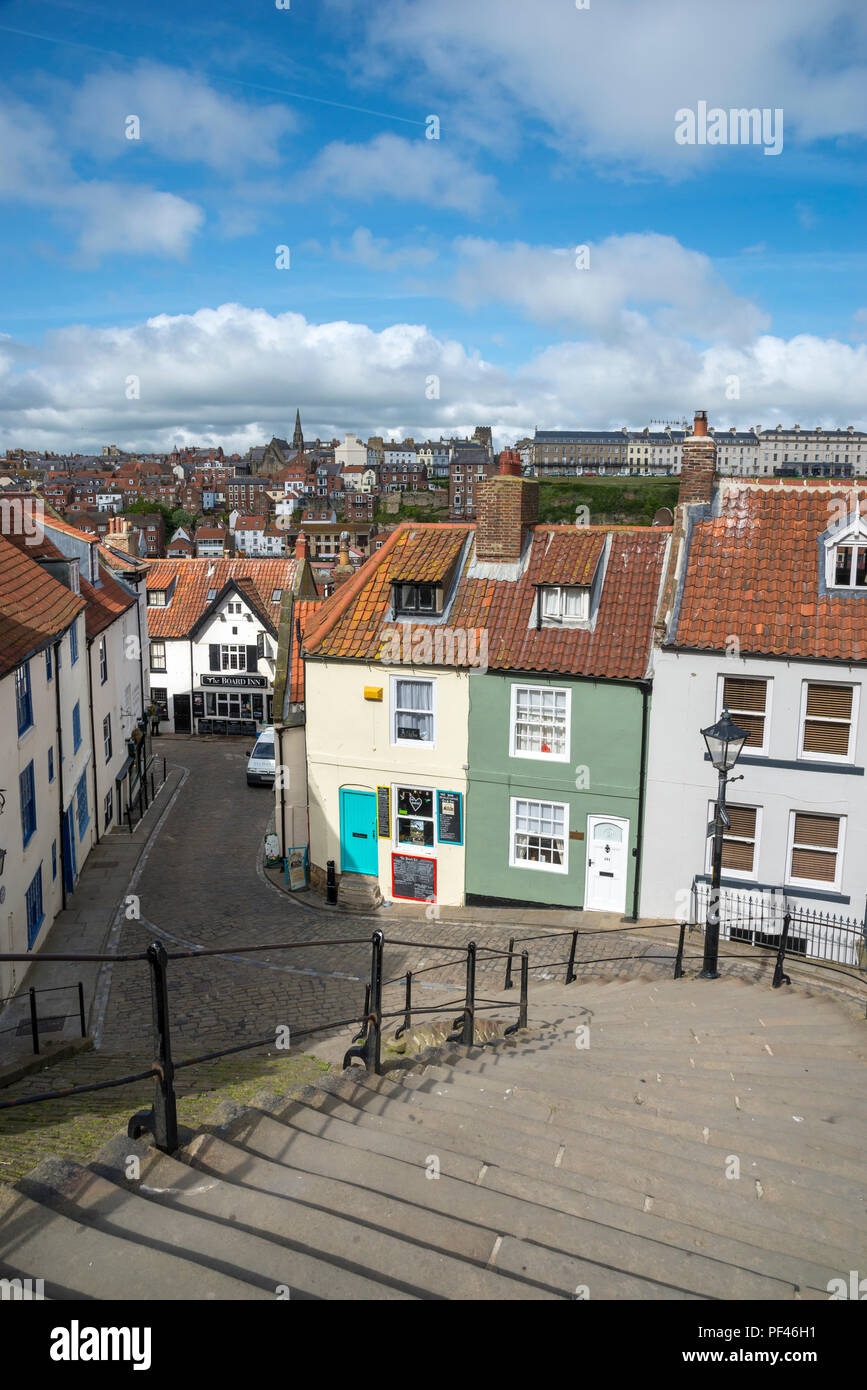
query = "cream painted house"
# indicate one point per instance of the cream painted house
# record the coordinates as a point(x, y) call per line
point(387, 700)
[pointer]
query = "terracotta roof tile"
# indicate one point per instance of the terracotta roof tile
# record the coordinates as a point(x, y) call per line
point(34, 606)
point(754, 574)
point(194, 579)
point(352, 623)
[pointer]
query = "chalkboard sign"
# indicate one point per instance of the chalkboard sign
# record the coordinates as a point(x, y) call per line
point(450, 819)
point(414, 878)
point(383, 812)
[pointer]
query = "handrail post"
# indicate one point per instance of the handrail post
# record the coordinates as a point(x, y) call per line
point(468, 1030)
point(162, 1119)
point(362, 1036)
point(370, 1050)
point(34, 1020)
point(525, 985)
point(81, 1009)
point(678, 963)
point(407, 1007)
point(570, 968)
point(779, 975)
point(374, 1037)
point(508, 981)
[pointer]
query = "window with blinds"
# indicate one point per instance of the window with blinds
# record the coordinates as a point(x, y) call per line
point(827, 724)
point(747, 702)
point(815, 847)
point(739, 841)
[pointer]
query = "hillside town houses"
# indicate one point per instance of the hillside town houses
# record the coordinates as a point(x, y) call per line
point(478, 707)
point(73, 655)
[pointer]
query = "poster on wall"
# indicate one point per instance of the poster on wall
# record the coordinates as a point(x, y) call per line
point(450, 818)
point(413, 877)
point(383, 812)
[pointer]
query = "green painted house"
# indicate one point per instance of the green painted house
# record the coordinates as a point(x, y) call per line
point(558, 714)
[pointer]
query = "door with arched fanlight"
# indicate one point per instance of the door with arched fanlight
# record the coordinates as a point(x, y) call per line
point(607, 849)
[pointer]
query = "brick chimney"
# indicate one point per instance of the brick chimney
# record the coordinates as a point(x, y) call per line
point(699, 463)
point(508, 506)
point(302, 547)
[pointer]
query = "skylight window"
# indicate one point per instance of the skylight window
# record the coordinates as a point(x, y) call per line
point(212, 594)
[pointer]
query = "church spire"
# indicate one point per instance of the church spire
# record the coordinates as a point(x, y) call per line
point(298, 437)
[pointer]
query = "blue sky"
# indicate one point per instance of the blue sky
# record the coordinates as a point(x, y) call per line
point(717, 275)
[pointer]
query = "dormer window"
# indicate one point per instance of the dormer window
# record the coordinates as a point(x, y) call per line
point(416, 599)
point(156, 598)
point(850, 567)
point(564, 604)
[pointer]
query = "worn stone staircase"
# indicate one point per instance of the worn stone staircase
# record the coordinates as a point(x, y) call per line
point(647, 1139)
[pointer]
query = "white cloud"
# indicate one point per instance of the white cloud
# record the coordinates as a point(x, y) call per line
point(390, 166)
point(606, 81)
point(233, 375)
point(102, 216)
point(374, 254)
point(677, 289)
point(182, 118)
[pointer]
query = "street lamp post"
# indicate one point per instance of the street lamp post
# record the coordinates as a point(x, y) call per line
point(724, 743)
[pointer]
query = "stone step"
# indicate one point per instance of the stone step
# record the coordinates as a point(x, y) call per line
point(594, 1244)
point(589, 1076)
point(79, 1262)
point(543, 1137)
point(683, 1223)
point(833, 1091)
point(771, 1139)
point(365, 1176)
point(339, 1241)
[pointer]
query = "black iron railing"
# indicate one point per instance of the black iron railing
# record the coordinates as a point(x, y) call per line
point(33, 1015)
point(825, 939)
point(160, 1119)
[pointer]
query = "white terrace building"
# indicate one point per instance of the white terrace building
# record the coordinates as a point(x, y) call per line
point(765, 614)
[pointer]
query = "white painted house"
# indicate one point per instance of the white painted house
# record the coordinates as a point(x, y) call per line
point(213, 641)
point(765, 614)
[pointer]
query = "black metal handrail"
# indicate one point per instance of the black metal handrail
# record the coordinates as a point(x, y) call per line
point(160, 1119)
point(34, 1009)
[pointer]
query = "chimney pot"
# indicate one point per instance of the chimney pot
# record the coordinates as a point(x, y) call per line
point(700, 425)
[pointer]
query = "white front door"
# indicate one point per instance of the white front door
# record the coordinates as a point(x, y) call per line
point(607, 843)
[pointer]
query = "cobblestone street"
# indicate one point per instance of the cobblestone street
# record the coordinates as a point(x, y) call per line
point(200, 883)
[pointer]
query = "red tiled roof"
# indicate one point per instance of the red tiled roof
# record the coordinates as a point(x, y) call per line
point(34, 606)
point(352, 622)
point(303, 610)
point(194, 578)
point(106, 603)
point(755, 573)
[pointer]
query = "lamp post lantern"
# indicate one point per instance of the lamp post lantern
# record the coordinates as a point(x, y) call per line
point(724, 742)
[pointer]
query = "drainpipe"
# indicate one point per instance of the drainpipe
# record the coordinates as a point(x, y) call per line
point(92, 738)
point(642, 780)
point(192, 701)
point(60, 770)
point(282, 794)
point(141, 679)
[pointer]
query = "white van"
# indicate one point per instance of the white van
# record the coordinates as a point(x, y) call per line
point(261, 765)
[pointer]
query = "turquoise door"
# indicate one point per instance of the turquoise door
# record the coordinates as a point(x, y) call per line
point(358, 851)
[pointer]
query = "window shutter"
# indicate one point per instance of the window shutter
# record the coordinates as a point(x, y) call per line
point(252, 658)
point(828, 722)
point(214, 656)
point(819, 863)
point(747, 701)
